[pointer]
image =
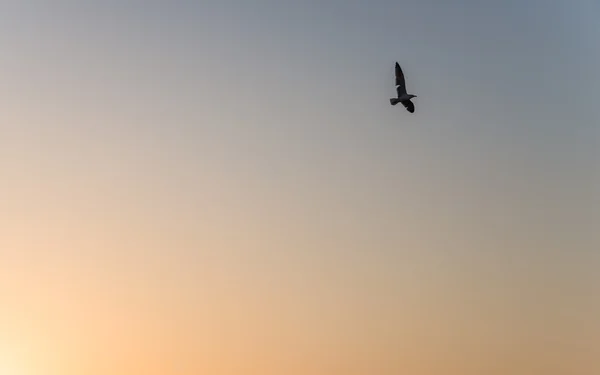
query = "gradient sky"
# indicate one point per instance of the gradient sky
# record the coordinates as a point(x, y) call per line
point(221, 187)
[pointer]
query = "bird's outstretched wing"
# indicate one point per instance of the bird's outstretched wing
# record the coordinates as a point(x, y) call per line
point(401, 90)
point(399, 76)
point(410, 107)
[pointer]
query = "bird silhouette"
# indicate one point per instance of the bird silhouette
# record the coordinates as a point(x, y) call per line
point(403, 96)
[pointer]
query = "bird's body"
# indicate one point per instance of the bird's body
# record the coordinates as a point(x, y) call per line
point(403, 96)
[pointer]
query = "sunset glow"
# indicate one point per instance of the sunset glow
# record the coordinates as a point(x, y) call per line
point(221, 187)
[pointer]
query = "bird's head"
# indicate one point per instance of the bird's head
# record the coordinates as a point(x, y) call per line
point(411, 96)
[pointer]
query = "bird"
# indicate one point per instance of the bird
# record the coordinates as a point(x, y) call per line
point(403, 96)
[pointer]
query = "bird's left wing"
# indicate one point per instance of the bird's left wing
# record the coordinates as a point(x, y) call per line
point(399, 76)
point(401, 90)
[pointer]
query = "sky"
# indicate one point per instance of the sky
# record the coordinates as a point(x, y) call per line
point(222, 187)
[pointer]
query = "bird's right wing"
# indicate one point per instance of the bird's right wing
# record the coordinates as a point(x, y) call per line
point(399, 76)
point(410, 107)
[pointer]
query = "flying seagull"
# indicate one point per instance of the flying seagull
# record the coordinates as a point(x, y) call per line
point(403, 97)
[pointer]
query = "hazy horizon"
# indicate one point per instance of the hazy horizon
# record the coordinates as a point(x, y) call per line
point(223, 188)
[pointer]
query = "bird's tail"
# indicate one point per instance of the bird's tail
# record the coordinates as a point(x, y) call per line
point(394, 101)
